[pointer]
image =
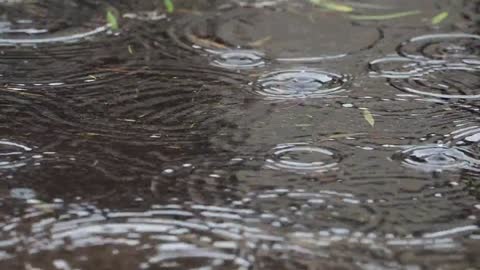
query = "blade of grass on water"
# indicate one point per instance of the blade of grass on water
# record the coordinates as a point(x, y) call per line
point(169, 5)
point(368, 117)
point(330, 5)
point(112, 20)
point(385, 16)
point(440, 17)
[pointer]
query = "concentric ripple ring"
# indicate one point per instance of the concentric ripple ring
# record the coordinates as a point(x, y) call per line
point(298, 83)
point(455, 46)
point(438, 158)
point(302, 158)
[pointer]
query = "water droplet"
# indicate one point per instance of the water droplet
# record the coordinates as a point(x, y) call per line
point(438, 158)
point(296, 84)
point(239, 59)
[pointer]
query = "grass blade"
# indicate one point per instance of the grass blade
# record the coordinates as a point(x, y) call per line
point(327, 4)
point(385, 16)
point(112, 20)
point(368, 117)
point(169, 5)
point(440, 17)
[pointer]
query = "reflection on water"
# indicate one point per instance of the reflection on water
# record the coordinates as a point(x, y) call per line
point(239, 134)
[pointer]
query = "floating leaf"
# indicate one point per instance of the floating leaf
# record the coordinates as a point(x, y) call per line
point(169, 5)
point(385, 16)
point(130, 49)
point(112, 20)
point(440, 17)
point(332, 5)
point(369, 117)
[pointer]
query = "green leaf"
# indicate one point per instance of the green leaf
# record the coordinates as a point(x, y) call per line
point(327, 4)
point(368, 117)
point(169, 5)
point(440, 17)
point(386, 16)
point(112, 20)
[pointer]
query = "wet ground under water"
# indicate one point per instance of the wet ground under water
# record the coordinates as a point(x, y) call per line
point(239, 134)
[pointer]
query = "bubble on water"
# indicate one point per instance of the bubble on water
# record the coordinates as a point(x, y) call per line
point(302, 158)
point(239, 59)
point(301, 83)
point(454, 46)
point(432, 158)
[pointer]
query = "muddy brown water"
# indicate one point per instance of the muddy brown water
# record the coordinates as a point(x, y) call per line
point(239, 134)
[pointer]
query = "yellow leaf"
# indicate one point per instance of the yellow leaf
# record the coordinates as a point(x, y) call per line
point(368, 117)
point(337, 7)
point(440, 17)
point(385, 16)
point(328, 4)
point(112, 20)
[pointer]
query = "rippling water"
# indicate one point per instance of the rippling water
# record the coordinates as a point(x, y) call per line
point(239, 134)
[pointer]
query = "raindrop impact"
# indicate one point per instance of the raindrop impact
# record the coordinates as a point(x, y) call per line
point(297, 84)
point(239, 59)
point(432, 158)
point(453, 46)
point(302, 158)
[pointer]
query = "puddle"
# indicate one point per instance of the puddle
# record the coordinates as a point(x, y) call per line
point(239, 134)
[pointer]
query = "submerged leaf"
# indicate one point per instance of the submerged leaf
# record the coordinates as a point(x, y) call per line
point(260, 42)
point(440, 17)
point(112, 20)
point(386, 16)
point(368, 117)
point(169, 5)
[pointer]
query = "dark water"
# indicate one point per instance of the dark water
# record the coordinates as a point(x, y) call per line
point(239, 134)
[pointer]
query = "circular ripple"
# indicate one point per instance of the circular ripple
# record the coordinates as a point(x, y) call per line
point(302, 158)
point(239, 59)
point(455, 46)
point(438, 158)
point(399, 67)
point(46, 22)
point(281, 34)
point(163, 104)
point(295, 84)
point(451, 81)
